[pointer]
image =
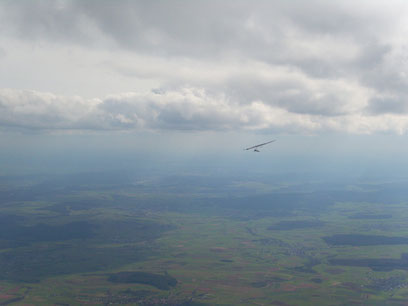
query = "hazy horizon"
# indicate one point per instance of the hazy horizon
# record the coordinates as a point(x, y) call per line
point(124, 177)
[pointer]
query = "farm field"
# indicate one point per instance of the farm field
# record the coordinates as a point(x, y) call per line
point(152, 243)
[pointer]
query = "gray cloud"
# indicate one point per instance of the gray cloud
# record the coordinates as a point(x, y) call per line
point(2, 52)
point(182, 109)
point(185, 109)
point(388, 105)
point(233, 64)
point(266, 30)
point(50, 20)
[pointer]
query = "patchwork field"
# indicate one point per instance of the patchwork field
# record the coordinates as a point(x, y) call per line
point(127, 244)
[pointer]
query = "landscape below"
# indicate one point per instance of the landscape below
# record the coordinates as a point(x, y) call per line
point(111, 238)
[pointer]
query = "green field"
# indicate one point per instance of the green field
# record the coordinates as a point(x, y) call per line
point(174, 244)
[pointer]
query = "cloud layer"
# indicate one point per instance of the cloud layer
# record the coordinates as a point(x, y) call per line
point(205, 65)
point(185, 109)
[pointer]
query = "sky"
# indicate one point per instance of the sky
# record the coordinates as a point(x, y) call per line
point(198, 76)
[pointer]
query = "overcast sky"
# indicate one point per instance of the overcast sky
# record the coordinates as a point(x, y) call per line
point(302, 67)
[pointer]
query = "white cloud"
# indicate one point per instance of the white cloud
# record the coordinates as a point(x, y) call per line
point(208, 65)
point(183, 109)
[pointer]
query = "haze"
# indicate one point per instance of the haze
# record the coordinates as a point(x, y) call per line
point(137, 113)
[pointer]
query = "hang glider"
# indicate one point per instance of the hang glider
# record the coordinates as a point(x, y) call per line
point(258, 146)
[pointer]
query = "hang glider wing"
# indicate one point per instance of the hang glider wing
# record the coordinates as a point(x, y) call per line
point(260, 145)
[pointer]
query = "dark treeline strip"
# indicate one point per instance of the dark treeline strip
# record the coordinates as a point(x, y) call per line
point(363, 240)
point(376, 264)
